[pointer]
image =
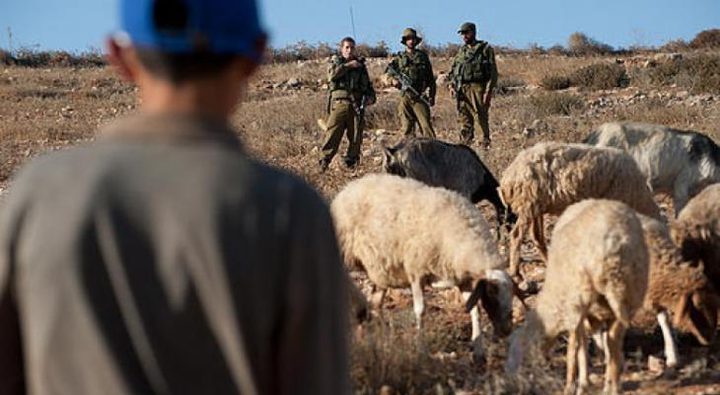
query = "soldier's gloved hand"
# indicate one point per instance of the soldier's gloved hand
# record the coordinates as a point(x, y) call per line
point(353, 64)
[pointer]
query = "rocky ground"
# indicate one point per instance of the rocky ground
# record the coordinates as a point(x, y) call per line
point(46, 109)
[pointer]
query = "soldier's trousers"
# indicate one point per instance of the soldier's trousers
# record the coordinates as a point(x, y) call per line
point(472, 111)
point(412, 110)
point(342, 118)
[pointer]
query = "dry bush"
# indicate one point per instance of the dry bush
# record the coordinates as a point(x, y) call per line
point(379, 50)
point(553, 103)
point(555, 82)
point(674, 46)
point(580, 44)
point(698, 74)
point(600, 76)
point(706, 39)
point(506, 85)
point(32, 58)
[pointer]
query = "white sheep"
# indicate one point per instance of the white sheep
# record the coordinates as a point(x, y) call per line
point(697, 232)
point(403, 232)
point(679, 286)
point(677, 162)
point(548, 177)
point(596, 278)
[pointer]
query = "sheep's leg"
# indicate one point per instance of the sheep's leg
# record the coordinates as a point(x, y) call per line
point(478, 352)
point(418, 301)
point(571, 360)
point(614, 368)
point(680, 195)
point(582, 360)
point(538, 235)
point(671, 352)
point(516, 237)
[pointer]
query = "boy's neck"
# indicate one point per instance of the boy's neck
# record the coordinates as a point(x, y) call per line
point(206, 98)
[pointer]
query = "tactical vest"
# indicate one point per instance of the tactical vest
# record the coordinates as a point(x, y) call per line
point(350, 81)
point(474, 65)
point(416, 67)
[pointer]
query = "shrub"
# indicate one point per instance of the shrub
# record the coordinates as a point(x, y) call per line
point(699, 74)
point(581, 45)
point(600, 76)
point(552, 103)
point(379, 50)
point(555, 82)
point(504, 85)
point(706, 39)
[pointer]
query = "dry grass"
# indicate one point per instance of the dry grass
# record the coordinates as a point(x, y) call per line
point(51, 108)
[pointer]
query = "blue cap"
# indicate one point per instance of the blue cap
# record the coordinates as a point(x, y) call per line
point(187, 26)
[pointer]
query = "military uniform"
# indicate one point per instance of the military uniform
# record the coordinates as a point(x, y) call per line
point(473, 73)
point(348, 88)
point(411, 108)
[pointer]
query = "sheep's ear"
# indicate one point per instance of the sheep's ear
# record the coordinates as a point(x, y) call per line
point(476, 295)
point(387, 154)
point(701, 322)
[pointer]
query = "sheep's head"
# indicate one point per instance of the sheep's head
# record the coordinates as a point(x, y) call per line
point(494, 291)
point(391, 164)
point(697, 313)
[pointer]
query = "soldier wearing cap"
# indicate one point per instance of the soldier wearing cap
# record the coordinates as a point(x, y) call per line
point(473, 77)
point(415, 64)
point(350, 92)
point(161, 258)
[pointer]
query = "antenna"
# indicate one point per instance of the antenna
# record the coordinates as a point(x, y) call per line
point(352, 22)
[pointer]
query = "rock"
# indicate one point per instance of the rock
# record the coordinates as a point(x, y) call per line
point(293, 83)
point(386, 390)
point(655, 364)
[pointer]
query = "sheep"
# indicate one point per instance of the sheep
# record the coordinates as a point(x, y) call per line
point(548, 177)
point(596, 278)
point(677, 162)
point(675, 284)
point(697, 232)
point(403, 232)
point(453, 166)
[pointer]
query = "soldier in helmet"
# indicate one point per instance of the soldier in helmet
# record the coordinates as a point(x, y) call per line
point(473, 77)
point(414, 63)
point(350, 91)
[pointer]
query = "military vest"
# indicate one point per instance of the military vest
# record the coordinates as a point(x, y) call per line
point(352, 80)
point(473, 63)
point(416, 66)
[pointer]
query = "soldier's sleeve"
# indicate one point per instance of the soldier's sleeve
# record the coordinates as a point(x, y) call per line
point(493, 70)
point(12, 377)
point(432, 86)
point(313, 350)
point(368, 89)
point(337, 69)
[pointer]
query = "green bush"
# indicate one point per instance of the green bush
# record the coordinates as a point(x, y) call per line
point(699, 74)
point(600, 76)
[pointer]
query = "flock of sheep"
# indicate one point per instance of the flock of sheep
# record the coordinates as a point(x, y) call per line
point(611, 251)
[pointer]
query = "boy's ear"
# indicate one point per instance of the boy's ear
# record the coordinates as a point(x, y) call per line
point(118, 57)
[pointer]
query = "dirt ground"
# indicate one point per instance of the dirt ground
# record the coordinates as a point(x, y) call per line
point(47, 109)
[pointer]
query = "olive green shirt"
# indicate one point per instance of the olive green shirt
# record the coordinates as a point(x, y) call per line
point(416, 65)
point(162, 260)
point(472, 61)
point(350, 83)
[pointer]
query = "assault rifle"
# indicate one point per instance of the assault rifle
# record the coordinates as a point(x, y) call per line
point(405, 83)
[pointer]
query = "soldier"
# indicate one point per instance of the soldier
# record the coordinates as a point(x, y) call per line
point(350, 91)
point(415, 64)
point(473, 77)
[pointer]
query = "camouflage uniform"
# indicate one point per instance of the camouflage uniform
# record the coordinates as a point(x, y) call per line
point(348, 87)
point(474, 71)
point(416, 65)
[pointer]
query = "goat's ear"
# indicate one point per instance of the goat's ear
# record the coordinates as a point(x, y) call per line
point(520, 294)
point(477, 294)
